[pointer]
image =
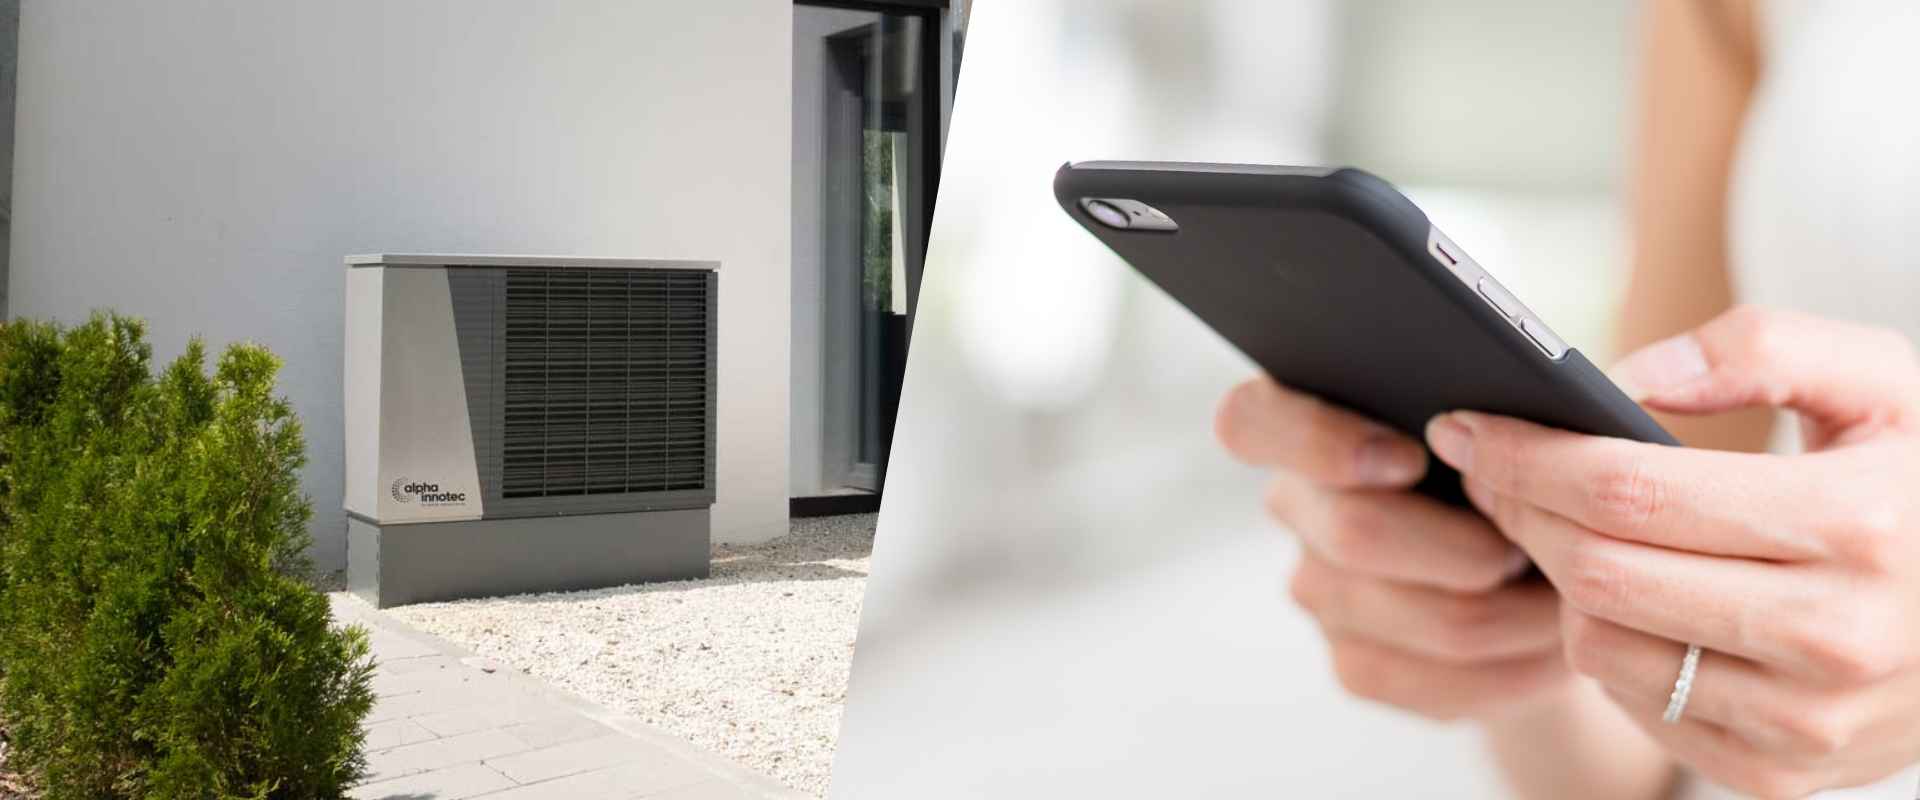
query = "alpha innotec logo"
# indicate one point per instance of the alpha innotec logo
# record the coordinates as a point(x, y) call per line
point(427, 494)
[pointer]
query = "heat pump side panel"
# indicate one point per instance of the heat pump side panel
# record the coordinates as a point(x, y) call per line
point(361, 383)
point(427, 467)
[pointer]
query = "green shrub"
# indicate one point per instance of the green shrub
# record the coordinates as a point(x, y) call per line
point(159, 636)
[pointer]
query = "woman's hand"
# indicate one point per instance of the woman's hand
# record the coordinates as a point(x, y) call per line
point(1415, 600)
point(1800, 575)
point(1412, 594)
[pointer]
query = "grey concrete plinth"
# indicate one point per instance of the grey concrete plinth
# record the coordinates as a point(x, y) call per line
point(390, 565)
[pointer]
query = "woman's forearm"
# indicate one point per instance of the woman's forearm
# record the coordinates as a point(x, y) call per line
point(1573, 745)
point(1697, 73)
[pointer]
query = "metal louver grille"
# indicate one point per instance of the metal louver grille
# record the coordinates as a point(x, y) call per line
point(606, 375)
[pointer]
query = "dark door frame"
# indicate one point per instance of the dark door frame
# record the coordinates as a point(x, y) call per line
point(932, 46)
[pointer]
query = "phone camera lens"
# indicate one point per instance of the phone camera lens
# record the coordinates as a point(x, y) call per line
point(1107, 213)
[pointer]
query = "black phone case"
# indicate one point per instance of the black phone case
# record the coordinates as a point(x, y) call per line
point(1324, 279)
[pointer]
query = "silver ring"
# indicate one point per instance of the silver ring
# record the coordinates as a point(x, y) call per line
point(1682, 686)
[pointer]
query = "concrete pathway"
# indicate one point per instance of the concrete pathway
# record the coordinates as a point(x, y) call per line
point(451, 725)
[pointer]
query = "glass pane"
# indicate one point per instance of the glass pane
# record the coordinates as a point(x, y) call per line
point(878, 236)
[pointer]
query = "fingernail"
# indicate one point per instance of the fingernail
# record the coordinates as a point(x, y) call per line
point(1388, 460)
point(1451, 440)
point(1658, 367)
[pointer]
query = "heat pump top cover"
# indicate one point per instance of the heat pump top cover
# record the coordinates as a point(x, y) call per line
point(485, 387)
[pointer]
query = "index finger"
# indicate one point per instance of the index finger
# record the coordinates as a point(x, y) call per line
point(1265, 424)
point(1806, 622)
point(1397, 535)
point(1703, 501)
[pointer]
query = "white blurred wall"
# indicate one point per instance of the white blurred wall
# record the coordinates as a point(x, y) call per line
point(1075, 592)
point(1527, 96)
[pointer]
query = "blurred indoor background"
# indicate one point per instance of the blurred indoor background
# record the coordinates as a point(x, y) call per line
point(1075, 592)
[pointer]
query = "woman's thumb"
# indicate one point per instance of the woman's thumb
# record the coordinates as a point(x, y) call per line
point(1836, 372)
point(1661, 367)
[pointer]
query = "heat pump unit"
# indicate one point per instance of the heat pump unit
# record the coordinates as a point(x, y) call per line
point(520, 424)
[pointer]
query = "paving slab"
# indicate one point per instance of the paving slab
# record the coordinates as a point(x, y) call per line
point(394, 733)
point(625, 782)
point(573, 758)
point(433, 754)
point(709, 790)
point(452, 783)
point(448, 725)
point(548, 732)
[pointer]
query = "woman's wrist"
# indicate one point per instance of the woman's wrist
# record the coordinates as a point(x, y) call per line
point(1570, 742)
point(1543, 707)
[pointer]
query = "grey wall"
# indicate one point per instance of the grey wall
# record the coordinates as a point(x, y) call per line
point(207, 164)
point(9, 61)
point(810, 27)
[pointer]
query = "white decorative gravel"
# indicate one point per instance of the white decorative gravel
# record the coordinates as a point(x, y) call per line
point(750, 663)
point(12, 786)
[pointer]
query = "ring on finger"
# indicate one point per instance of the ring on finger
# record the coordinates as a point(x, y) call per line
point(1682, 685)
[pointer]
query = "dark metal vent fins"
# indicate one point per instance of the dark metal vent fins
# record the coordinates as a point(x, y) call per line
point(606, 382)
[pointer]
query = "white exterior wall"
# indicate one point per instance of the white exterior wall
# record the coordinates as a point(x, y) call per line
point(206, 165)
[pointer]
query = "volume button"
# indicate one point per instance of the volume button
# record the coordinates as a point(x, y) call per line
point(1537, 331)
point(1500, 298)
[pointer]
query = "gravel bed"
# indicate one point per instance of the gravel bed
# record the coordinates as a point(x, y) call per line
point(12, 785)
point(750, 663)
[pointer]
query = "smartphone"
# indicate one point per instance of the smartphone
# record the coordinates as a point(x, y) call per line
point(1335, 284)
